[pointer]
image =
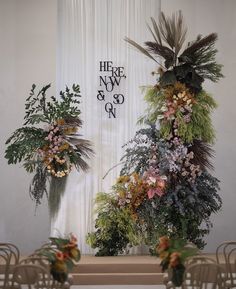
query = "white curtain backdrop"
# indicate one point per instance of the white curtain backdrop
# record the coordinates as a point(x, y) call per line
point(90, 31)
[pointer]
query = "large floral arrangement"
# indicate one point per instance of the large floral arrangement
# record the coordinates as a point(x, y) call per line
point(173, 254)
point(49, 144)
point(62, 253)
point(165, 185)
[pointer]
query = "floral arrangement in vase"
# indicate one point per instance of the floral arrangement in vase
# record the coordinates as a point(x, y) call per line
point(173, 254)
point(165, 186)
point(62, 253)
point(49, 143)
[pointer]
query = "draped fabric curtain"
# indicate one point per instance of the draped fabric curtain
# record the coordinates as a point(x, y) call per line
point(90, 31)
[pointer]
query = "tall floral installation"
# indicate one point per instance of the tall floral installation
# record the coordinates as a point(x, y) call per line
point(49, 144)
point(165, 187)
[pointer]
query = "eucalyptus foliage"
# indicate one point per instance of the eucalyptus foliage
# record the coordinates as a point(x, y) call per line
point(185, 210)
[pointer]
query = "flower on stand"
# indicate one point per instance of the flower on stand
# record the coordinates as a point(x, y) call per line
point(62, 253)
point(48, 143)
point(173, 253)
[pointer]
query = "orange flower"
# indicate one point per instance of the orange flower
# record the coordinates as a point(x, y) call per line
point(60, 256)
point(174, 259)
point(60, 121)
point(66, 255)
point(123, 179)
point(164, 243)
point(70, 130)
point(63, 147)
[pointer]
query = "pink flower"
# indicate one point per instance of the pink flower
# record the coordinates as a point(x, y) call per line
point(168, 113)
point(155, 191)
point(151, 181)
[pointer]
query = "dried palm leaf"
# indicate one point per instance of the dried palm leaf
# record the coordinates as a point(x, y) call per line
point(141, 49)
point(163, 51)
point(203, 152)
point(156, 32)
point(199, 43)
point(73, 121)
point(201, 55)
point(81, 148)
point(173, 30)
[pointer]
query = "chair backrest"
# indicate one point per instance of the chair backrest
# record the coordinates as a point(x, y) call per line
point(204, 276)
point(42, 261)
point(34, 276)
point(9, 257)
point(226, 254)
point(199, 259)
point(5, 259)
point(15, 252)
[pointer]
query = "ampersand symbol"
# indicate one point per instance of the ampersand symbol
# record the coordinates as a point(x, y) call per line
point(101, 95)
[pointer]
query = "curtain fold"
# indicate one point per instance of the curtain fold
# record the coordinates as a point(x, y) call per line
point(90, 31)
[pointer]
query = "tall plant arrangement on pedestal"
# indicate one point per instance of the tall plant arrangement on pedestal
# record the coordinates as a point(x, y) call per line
point(165, 183)
point(49, 144)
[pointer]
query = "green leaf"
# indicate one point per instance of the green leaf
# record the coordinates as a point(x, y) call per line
point(167, 78)
point(70, 264)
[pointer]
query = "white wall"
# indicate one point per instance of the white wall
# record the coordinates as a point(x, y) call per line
point(204, 17)
point(27, 56)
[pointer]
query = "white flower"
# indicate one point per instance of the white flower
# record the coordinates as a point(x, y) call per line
point(163, 108)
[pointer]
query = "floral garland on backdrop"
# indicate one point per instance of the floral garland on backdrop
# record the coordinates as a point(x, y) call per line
point(164, 188)
point(52, 151)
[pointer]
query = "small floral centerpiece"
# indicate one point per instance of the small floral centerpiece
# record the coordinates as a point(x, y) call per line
point(62, 253)
point(49, 144)
point(173, 253)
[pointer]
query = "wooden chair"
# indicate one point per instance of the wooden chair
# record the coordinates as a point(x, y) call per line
point(9, 257)
point(204, 276)
point(5, 265)
point(226, 253)
point(43, 262)
point(198, 259)
point(15, 252)
point(30, 275)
